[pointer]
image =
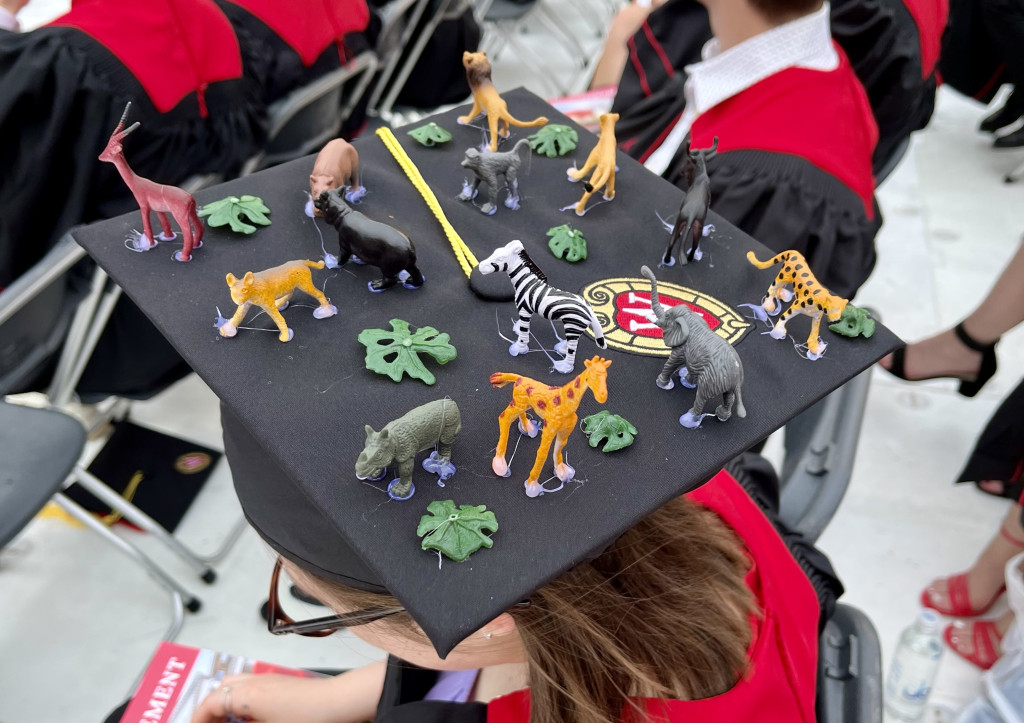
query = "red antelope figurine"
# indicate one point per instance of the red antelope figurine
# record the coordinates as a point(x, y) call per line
point(157, 197)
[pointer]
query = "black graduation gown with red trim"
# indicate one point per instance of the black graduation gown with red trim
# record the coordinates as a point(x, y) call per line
point(893, 46)
point(780, 683)
point(62, 90)
point(287, 45)
point(793, 168)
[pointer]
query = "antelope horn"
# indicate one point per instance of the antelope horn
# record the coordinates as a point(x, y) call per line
point(124, 116)
point(130, 128)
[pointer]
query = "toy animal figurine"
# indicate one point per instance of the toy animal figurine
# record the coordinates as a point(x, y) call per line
point(704, 359)
point(602, 161)
point(157, 197)
point(694, 208)
point(487, 167)
point(271, 290)
point(486, 100)
point(435, 424)
point(557, 407)
point(373, 242)
point(336, 166)
point(534, 295)
point(808, 296)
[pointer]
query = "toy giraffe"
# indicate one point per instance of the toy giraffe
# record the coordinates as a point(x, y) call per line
point(152, 196)
point(556, 406)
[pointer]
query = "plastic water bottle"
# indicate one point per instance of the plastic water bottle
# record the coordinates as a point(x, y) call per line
point(913, 668)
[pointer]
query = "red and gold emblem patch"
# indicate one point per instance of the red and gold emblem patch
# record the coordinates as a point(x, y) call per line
point(622, 306)
point(192, 462)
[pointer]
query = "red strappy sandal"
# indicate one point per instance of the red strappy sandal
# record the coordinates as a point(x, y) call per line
point(985, 640)
point(959, 594)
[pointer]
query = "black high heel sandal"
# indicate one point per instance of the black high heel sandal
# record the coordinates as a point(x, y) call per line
point(968, 388)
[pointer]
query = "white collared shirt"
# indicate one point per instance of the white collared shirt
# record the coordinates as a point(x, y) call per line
point(802, 43)
point(8, 21)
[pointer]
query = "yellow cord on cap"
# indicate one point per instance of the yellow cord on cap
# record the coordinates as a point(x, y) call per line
point(465, 257)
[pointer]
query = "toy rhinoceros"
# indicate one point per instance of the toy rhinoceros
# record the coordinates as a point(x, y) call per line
point(435, 424)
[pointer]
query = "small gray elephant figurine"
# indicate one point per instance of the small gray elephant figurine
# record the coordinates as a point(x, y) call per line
point(432, 424)
point(704, 359)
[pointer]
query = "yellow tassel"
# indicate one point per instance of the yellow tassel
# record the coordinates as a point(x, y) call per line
point(462, 252)
point(128, 494)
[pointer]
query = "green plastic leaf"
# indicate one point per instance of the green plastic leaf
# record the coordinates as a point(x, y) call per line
point(396, 352)
point(854, 322)
point(430, 135)
point(554, 140)
point(616, 431)
point(567, 243)
point(457, 533)
point(229, 212)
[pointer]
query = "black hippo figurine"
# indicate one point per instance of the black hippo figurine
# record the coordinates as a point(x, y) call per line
point(375, 243)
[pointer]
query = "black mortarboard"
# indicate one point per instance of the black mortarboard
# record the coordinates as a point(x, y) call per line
point(294, 413)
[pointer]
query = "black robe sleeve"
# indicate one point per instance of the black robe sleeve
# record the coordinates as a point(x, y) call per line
point(401, 700)
point(785, 202)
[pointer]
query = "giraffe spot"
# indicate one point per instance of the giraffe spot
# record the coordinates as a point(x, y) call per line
point(529, 390)
point(577, 383)
point(557, 399)
point(541, 404)
point(569, 393)
point(502, 415)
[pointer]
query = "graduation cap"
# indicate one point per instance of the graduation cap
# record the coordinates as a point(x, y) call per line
point(294, 414)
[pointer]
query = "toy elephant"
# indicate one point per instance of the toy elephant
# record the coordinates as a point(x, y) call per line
point(435, 424)
point(704, 359)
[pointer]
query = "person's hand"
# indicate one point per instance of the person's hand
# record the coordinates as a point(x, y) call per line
point(266, 698)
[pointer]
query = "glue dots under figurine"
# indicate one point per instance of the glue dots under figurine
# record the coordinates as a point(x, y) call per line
point(152, 196)
point(556, 406)
point(534, 295)
point(335, 167)
point(272, 290)
point(703, 359)
point(432, 425)
point(374, 242)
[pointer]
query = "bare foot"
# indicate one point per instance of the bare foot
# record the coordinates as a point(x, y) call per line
point(942, 355)
point(984, 579)
point(961, 636)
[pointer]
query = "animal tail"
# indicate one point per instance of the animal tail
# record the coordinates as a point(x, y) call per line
point(314, 264)
point(777, 258)
point(655, 300)
point(539, 121)
point(500, 379)
point(741, 411)
point(595, 325)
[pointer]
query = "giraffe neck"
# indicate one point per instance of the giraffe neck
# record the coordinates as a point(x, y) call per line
point(573, 401)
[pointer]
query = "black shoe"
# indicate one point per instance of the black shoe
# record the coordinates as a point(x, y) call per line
point(1010, 140)
point(1011, 111)
point(968, 388)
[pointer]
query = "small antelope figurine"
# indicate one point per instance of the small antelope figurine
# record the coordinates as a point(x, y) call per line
point(157, 197)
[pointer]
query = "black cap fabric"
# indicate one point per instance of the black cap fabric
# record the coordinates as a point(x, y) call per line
point(294, 413)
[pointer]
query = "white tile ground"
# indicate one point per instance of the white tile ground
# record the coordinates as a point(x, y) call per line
point(80, 622)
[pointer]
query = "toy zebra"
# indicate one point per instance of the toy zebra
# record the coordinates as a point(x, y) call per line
point(534, 295)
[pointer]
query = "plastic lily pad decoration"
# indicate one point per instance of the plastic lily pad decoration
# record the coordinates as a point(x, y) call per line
point(396, 352)
point(430, 135)
point(457, 533)
point(229, 212)
point(568, 243)
point(554, 140)
point(854, 322)
point(616, 432)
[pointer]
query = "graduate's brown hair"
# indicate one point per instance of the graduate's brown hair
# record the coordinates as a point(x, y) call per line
point(663, 613)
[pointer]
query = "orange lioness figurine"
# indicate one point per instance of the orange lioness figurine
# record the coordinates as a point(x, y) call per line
point(556, 406)
point(486, 99)
point(602, 160)
point(271, 290)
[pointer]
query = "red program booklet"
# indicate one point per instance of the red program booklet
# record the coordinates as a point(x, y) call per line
point(179, 678)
